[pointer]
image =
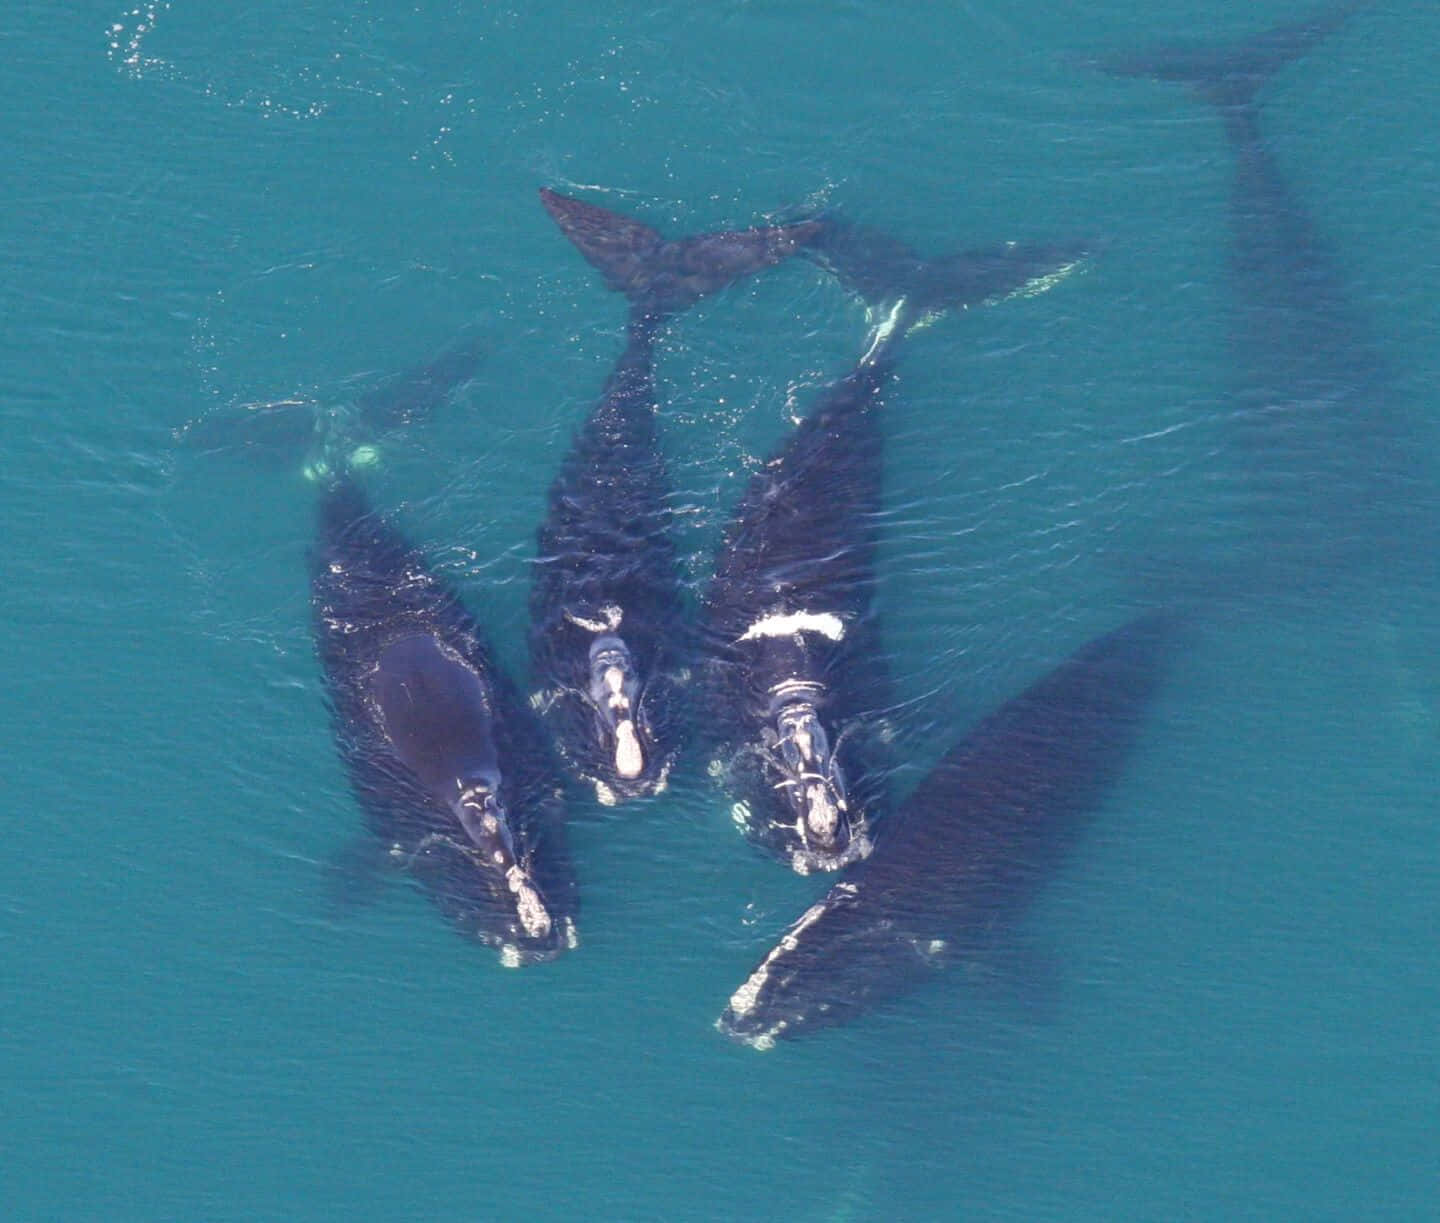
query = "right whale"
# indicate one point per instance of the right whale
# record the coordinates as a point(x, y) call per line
point(608, 632)
point(1319, 466)
point(446, 758)
point(794, 679)
point(967, 852)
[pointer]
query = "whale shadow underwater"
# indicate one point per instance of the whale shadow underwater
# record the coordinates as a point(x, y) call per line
point(1320, 476)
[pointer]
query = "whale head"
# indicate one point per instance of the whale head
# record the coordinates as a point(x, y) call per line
point(508, 909)
point(611, 734)
point(614, 690)
point(822, 830)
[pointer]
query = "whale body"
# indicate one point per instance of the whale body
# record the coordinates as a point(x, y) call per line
point(795, 684)
point(446, 758)
point(968, 850)
point(609, 632)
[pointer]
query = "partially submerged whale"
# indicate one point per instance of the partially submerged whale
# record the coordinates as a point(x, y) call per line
point(448, 761)
point(277, 432)
point(444, 754)
point(968, 850)
point(608, 626)
point(1318, 464)
point(795, 683)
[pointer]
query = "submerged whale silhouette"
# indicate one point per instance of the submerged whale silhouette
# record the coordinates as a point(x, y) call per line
point(966, 853)
point(1319, 464)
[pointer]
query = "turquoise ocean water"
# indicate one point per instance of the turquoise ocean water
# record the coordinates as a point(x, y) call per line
point(208, 205)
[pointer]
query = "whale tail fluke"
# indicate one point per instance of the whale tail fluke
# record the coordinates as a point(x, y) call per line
point(661, 276)
point(883, 271)
point(1229, 74)
point(411, 395)
point(304, 430)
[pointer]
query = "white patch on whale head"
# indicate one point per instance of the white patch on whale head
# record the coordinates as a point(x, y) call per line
point(629, 759)
point(528, 905)
point(743, 1001)
point(609, 621)
point(822, 816)
point(791, 939)
point(827, 624)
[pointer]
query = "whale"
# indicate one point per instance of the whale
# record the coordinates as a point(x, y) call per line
point(444, 754)
point(794, 682)
point(275, 432)
point(1319, 468)
point(967, 852)
point(610, 637)
point(447, 760)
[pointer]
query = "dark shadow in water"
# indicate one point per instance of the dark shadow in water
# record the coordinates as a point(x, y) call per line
point(1317, 469)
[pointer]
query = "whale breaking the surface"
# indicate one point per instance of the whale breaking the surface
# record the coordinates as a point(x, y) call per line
point(969, 849)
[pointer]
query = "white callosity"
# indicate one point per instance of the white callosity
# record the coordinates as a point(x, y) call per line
point(629, 759)
point(528, 905)
point(827, 624)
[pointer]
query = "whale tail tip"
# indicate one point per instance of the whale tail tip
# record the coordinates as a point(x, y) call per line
point(882, 271)
point(324, 437)
point(660, 276)
point(1229, 74)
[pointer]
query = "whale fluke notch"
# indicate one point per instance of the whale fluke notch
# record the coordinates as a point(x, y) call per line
point(661, 276)
point(1230, 73)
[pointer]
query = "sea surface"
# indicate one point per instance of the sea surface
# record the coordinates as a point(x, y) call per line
point(1229, 1001)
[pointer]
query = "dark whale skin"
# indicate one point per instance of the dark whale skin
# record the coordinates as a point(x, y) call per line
point(386, 628)
point(795, 687)
point(610, 636)
point(968, 850)
point(802, 542)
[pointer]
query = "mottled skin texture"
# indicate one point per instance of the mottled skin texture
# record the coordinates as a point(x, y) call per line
point(607, 585)
point(968, 850)
point(802, 541)
point(419, 709)
point(606, 543)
